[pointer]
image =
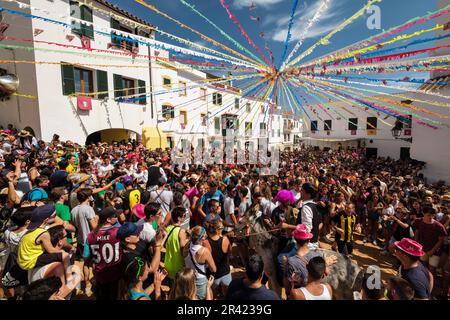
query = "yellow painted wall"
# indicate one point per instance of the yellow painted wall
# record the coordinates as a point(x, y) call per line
point(114, 134)
point(153, 138)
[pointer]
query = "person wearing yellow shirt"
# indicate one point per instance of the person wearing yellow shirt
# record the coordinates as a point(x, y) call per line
point(71, 168)
point(36, 252)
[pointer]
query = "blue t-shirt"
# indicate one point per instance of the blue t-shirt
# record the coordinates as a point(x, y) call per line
point(218, 195)
point(37, 194)
point(418, 279)
point(239, 291)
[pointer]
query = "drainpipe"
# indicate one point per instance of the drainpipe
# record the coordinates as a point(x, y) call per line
point(151, 79)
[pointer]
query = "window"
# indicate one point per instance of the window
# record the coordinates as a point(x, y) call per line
point(168, 112)
point(314, 126)
point(262, 128)
point(128, 86)
point(217, 125)
point(81, 81)
point(263, 109)
point(203, 119)
point(371, 123)
point(170, 142)
point(279, 133)
point(124, 87)
point(84, 83)
point(248, 107)
point(353, 124)
point(217, 99)
point(117, 39)
point(248, 128)
point(81, 13)
point(273, 133)
point(327, 125)
point(183, 117)
point(183, 88)
point(236, 103)
point(203, 94)
point(167, 82)
point(143, 91)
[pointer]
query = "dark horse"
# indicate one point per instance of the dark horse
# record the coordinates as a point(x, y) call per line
point(344, 276)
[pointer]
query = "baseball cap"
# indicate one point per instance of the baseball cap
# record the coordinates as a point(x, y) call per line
point(109, 212)
point(39, 214)
point(129, 229)
point(138, 211)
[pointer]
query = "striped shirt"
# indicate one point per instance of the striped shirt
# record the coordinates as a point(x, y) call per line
point(347, 223)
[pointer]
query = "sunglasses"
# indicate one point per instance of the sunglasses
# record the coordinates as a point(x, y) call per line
point(141, 264)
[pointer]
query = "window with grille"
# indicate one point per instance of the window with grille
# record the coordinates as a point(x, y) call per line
point(217, 99)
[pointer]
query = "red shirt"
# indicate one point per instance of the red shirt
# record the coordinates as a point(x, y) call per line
point(106, 251)
point(429, 234)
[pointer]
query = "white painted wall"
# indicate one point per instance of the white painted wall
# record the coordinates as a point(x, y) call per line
point(53, 112)
point(385, 143)
point(19, 111)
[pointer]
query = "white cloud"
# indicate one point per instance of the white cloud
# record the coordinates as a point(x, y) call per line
point(326, 24)
point(239, 4)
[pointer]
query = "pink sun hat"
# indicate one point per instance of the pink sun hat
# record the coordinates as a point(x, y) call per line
point(138, 211)
point(301, 233)
point(285, 197)
point(410, 247)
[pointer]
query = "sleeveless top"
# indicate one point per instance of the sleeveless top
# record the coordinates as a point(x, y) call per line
point(221, 259)
point(191, 261)
point(173, 259)
point(134, 295)
point(324, 296)
point(29, 251)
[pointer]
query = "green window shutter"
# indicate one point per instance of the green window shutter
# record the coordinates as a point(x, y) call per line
point(115, 25)
point(118, 86)
point(86, 15)
point(68, 82)
point(102, 84)
point(142, 90)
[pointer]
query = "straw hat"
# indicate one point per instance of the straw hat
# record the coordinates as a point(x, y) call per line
point(24, 133)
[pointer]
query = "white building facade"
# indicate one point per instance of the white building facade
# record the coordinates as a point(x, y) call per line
point(87, 83)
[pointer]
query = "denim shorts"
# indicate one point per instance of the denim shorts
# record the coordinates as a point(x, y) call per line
point(201, 283)
point(225, 280)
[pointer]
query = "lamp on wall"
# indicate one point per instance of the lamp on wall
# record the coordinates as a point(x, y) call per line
point(397, 131)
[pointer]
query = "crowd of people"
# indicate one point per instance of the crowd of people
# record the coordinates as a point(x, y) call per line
point(119, 221)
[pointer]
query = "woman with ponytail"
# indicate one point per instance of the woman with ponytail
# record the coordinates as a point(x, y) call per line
point(136, 273)
point(198, 257)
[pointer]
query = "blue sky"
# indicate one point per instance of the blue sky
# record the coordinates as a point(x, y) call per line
point(274, 16)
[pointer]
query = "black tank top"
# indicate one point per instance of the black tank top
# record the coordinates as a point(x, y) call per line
point(221, 259)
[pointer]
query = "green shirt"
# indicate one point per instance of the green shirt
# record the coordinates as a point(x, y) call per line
point(63, 212)
point(173, 259)
point(100, 203)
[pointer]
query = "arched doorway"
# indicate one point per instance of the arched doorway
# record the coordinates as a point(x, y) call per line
point(110, 135)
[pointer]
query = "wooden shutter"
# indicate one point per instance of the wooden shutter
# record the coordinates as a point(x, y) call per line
point(115, 25)
point(102, 84)
point(118, 86)
point(143, 91)
point(68, 81)
point(86, 15)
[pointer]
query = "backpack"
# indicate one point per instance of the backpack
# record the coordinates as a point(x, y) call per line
point(27, 196)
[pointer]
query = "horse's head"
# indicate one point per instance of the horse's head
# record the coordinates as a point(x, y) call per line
point(252, 225)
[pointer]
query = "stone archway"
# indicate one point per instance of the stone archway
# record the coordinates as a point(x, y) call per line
point(110, 135)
